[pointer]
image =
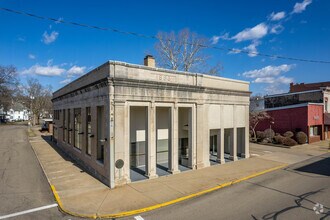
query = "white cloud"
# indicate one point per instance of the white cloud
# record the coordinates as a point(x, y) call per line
point(271, 75)
point(44, 70)
point(276, 29)
point(49, 38)
point(277, 16)
point(22, 39)
point(300, 7)
point(215, 39)
point(255, 33)
point(76, 70)
point(252, 49)
point(66, 81)
point(268, 71)
point(234, 51)
point(274, 89)
point(32, 56)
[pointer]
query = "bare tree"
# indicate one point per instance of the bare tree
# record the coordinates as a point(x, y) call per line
point(183, 51)
point(255, 118)
point(8, 85)
point(39, 99)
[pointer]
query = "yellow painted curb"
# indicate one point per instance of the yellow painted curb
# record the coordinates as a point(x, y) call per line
point(150, 208)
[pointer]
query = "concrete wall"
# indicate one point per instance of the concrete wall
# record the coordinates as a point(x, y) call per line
point(211, 102)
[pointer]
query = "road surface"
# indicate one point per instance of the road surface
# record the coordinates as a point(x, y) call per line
point(23, 185)
point(289, 193)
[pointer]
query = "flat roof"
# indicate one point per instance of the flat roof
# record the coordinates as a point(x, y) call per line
point(293, 106)
point(292, 93)
point(159, 69)
point(137, 66)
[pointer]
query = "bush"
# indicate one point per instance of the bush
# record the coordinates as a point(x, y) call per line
point(301, 137)
point(288, 134)
point(265, 141)
point(269, 133)
point(289, 141)
point(279, 139)
point(260, 134)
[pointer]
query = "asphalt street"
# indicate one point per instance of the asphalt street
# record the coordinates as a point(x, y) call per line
point(23, 185)
point(290, 193)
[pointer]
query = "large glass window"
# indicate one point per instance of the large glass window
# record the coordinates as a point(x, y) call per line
point(89, 131)
point(69, 127)
point(64, 125)
point(77, 128)
point(100, 134)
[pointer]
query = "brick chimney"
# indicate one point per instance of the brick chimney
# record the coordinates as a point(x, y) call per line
point(149, 61)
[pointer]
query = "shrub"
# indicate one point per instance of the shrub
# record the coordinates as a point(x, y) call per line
point(288, 134)
point(279, 139)
point(260, 134)
point(269, 133)
point(301, 137)
point(265, 141)
point(289, 141)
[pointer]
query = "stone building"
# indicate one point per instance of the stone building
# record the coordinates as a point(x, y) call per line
point(122, 120)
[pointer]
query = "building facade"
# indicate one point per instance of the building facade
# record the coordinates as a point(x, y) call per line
point(305, 108)
point(306, 117)
point(122, 117)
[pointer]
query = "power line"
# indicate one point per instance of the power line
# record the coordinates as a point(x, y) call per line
point(156, 38)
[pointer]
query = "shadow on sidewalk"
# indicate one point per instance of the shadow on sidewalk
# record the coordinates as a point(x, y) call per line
point(66, 156)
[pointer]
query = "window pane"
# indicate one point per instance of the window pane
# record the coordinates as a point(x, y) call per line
point(77, 128)
point(89, 131)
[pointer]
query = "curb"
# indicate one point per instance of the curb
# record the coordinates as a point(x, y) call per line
point(150, 208)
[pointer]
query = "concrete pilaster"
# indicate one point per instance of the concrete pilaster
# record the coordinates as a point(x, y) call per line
point(233, 150)
point(221, 136)
point(192, 137)
point(202, 137)
point(151, 149)
point(220, 147)
point(246, 153)
point(121, 142)
point(174, 135)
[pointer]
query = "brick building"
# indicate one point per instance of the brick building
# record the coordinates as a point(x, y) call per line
point(305, 108)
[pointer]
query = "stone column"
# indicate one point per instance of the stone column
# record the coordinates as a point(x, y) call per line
point(121, 143)
point(220, 146)
point(202, 137)
point(246, 150)
point(221, 138)
point(233, 151)
point(192, 137)
point(151, 149)
point(173, 160)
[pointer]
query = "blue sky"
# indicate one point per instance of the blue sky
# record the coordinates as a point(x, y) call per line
point(58, 53)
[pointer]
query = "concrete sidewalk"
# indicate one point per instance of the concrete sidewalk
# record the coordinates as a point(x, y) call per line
point(82, 194)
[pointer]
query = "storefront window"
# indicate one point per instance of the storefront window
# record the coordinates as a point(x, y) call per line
point(89, 131)
point(77, 128)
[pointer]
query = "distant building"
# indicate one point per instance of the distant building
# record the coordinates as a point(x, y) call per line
point(305, 108)
point(257, 104)
point(16, 112)
point(300, 87)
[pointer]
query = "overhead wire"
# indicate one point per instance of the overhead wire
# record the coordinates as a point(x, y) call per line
point(158, 38)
